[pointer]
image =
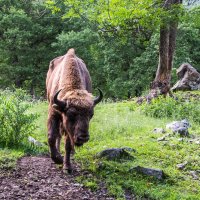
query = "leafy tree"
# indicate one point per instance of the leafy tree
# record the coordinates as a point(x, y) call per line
point(188, 41)
point(118, 40)
point(26, 33)
point(137, 19)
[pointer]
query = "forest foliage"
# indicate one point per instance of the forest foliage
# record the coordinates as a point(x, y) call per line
point(118, 41)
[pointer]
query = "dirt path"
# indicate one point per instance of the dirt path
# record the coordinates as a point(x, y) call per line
point(39, 178)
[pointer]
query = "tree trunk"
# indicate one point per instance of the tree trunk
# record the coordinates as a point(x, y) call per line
point(172, 43)
point(168, 30)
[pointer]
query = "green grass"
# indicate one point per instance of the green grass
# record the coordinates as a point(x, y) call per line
point(118, 125)
point(40, 133)
point(8, 158)
point(115, 125)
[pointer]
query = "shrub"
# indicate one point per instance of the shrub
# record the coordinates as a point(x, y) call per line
point(16, 124)
point(173, 108)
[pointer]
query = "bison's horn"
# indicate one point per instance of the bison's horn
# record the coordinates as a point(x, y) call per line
point(99, 98)
point(60, 104)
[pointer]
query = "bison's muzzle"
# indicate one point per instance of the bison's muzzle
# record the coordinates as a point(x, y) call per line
point(80, 140)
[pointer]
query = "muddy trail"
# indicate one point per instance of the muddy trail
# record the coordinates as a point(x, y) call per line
point(39, 178)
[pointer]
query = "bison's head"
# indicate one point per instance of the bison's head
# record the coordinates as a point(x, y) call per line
point(77, 110)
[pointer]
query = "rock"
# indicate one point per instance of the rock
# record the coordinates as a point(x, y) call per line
point(189, 78)
point(168, 135)
point(182, 165)
point(140, 100)
point(193, 136)
point(156, 173)
point(129, 149)
point(161, 139)
point(195, 141)
point(194, 174)
point(159, 130)
point(116, 153)
point(34, 141)
point(78, 185)
point(164, 137)
point(180, 139)
point(180, 127)
point(182, 131)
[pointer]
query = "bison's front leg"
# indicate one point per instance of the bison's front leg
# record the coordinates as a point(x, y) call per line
point(59, 137)
point(67, 164)
point(53, 134)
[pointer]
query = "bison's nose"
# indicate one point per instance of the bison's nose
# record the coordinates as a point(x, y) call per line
point(81, 139)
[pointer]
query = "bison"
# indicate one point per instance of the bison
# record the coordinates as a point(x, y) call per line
point(71, 105)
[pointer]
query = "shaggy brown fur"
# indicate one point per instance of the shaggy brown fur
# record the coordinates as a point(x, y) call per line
point(79, 98)
point(69, 74)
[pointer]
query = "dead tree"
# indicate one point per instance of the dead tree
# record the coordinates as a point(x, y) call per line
point(168, 31)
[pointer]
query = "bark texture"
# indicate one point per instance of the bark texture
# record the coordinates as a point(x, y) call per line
point(168, 32)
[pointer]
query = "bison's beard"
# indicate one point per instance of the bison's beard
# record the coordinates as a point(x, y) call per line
point(78, 144)
point(79, 141)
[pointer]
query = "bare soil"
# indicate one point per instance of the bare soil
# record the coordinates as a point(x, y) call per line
point(39, 178)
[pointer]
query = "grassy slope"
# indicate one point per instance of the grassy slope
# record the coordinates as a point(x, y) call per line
point(116, 125)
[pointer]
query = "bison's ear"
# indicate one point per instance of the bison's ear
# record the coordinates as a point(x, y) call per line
point(60, 109)
point(56, 107)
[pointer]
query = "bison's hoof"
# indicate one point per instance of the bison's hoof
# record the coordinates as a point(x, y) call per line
point(57, 159)
point(67, 169)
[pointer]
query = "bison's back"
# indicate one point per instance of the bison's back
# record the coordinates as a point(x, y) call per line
point(84, 74)
point(59, 70)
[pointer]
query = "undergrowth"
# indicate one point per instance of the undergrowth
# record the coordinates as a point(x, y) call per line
point(15, 123)
point(182, 106)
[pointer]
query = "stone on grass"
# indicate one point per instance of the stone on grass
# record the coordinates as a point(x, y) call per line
point(182, 165)
point(197, 142)
point(34, 141)
point(116, 153)
point(129, 149)
point(161, 139)
point(194, 141)
point(156, 173)
point(182, 131)
point(159, 130)
point(195, 175)
point(180, 127)
point(180, 139)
